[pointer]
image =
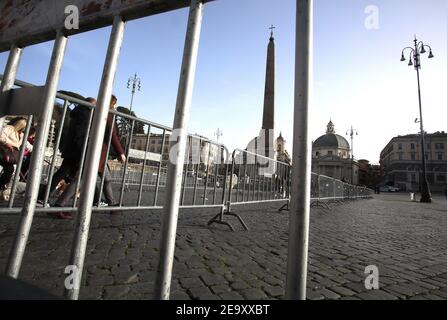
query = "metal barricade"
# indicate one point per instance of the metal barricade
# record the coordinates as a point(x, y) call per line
point(253, 178)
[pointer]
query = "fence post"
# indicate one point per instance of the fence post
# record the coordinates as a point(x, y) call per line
point(9, 76)
point(174, 179)
point(94, 152)
point(300, 201)
point(32, 188)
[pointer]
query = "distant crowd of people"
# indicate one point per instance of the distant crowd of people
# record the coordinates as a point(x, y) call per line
point(66, 177)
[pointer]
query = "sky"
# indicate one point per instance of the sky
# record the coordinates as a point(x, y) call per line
point(358, 78)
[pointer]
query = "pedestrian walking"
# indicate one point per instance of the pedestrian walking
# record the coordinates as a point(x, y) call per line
point(11, 138)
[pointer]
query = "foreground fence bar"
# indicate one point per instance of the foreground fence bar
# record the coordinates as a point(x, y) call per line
point(94, 151)
point(175, 166)
point(11, 68)
point(12, 65)
point(32, 189)
point(301, 171)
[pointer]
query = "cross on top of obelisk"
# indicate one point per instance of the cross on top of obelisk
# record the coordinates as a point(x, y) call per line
point(271, 29)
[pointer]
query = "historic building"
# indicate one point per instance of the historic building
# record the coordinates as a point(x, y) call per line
point(370, 175)
point(401, 162)
point(331, 156)
point(200, 151)
point(281, 152)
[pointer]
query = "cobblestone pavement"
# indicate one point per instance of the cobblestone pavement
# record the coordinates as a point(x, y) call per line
point(407, 241)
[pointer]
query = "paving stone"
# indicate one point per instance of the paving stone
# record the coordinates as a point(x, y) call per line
point(274, 291)
point(189, 283)
point(376, 295)
point(239, 285)
point(328, 294)
point(314, 295)
point(253, 294)
point(100, 280)
point(116, 292)
point(343, 291)
point(231, 296)
point(402, 289)
point(211, 279)
point(199, 292)
point(179, 295)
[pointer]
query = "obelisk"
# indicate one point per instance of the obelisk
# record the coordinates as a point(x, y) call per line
point(268, 121)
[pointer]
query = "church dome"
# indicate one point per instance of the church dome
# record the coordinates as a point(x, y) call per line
point(331, 139)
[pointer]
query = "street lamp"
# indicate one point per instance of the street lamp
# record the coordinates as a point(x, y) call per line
point(218, 134)
point(134, 83)
point(351, 132)
point(415, 55)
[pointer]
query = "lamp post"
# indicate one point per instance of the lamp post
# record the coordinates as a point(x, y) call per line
point(351, 132)
point(134, 83)
point(218, 134)
point(415, 54)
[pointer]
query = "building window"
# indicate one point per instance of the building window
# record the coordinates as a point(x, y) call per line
point(440, 178)
point(440, 157)
point(400, 146)
point(317, 154)
point(426, 156)
point(413, 156)
point(329, 153)
point(412, 146)
point(428, 146)
point(401, 156)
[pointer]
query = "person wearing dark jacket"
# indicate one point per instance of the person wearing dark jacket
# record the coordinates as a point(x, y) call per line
point(70, 191)
point(71, 154)
point(103, 166)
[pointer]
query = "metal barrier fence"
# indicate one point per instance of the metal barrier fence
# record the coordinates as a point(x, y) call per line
point(177, 173)
point(204, 168)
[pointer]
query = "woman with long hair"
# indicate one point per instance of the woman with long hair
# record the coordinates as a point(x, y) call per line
point(11, 139)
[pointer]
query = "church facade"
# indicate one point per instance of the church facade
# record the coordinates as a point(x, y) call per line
point(332, 157)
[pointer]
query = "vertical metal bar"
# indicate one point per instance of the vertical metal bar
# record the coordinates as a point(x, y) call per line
point(12, 66)
point(264, 184)
point(19, 164)
point(216, 174)
point(84, 151)
point(125, 162)
point(32, 188)
point(258, 191)
point(230, 188)
point(197, 175)
point(238, 181)
point(244, 163)
point(278, 191)
point(10, 73)
point(207, 173)
point(144, 164)
point(104, 166)
point(224, 189)
point(159, 167)
point(94, 153)
point(185, 170)
point(300, 202)
point(53, 160)
point(169, 225)
point(319, 187)
point(250, 170)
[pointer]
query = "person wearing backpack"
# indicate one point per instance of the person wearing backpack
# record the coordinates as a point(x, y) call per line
point(72, 149)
